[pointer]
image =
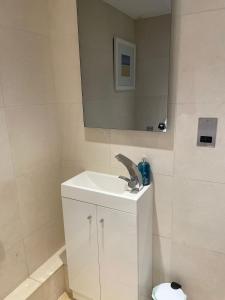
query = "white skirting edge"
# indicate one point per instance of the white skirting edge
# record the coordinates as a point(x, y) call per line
point(43, 273)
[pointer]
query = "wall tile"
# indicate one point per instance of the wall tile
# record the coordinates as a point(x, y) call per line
point(6, 170)
point(13, 269)
point(161, 260)
point(56, 238)
point(200, 272)
point(198, 162)
point(25, 69)
point(10, 231)
point(43, 243)
point(27, 15)
point(70, 169)
point(70, 118)
point(10, 227)
point(33, 138)
point(39, 197)
point(201, 61)
point(64, 39)
point(66, 71)
point(86, 141)
point(29, 143)
point(199, 214)
point(196, 6)
point(163, 199)
point(93, 141)
point(161, 161)
point(63, 17)
point(53, 132)
point(36, 247)
point(1, 97)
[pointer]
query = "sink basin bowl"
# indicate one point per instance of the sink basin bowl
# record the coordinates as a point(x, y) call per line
point(102, 189)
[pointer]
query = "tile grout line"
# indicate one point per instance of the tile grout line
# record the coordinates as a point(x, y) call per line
point(200, 12)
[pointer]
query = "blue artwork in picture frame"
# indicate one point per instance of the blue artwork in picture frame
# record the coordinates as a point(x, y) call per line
point(124, 64)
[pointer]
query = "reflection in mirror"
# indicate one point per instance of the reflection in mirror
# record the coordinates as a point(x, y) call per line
point(125, 55)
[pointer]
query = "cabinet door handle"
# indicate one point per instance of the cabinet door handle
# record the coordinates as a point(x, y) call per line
point(89, 218)
point(102, 221)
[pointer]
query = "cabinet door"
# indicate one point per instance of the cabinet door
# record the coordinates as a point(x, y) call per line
point(82, 249)
point(117, 235)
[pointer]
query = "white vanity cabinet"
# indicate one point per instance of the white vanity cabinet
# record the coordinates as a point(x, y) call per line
point(82, 248)
point(109, 250)
point(117, 240)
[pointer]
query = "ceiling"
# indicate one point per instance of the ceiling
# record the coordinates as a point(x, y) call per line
point(142, 8)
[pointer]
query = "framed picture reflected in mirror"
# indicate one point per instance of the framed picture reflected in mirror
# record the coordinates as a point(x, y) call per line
point(124, 64)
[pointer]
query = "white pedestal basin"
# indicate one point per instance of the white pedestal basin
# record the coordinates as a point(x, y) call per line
point(108, 234)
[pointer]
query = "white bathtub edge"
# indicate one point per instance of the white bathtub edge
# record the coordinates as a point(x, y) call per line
point(36, 279)
point(24, 290)
point(46, 270)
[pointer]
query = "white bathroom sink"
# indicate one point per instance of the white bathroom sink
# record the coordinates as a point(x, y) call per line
point(102, 189)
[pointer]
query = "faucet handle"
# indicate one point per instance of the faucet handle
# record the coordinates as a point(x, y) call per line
point(131, 182)
point(135, 174)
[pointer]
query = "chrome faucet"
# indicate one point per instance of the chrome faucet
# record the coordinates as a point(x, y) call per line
point(135, 181)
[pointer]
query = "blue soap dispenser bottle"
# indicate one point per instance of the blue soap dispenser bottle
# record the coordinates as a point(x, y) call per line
point(144, 168)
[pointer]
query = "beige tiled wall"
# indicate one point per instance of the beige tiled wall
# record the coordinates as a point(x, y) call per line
point(30, 149)
point(41, 122)
point(189, 181)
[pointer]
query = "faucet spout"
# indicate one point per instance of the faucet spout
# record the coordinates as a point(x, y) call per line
point(135, 182)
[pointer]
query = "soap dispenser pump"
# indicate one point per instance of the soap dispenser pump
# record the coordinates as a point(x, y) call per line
point(144, 168)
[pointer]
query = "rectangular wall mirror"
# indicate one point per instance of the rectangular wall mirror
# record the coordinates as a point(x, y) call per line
point(125, 60)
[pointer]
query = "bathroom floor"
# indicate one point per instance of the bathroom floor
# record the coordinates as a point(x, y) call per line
point(64, 297)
